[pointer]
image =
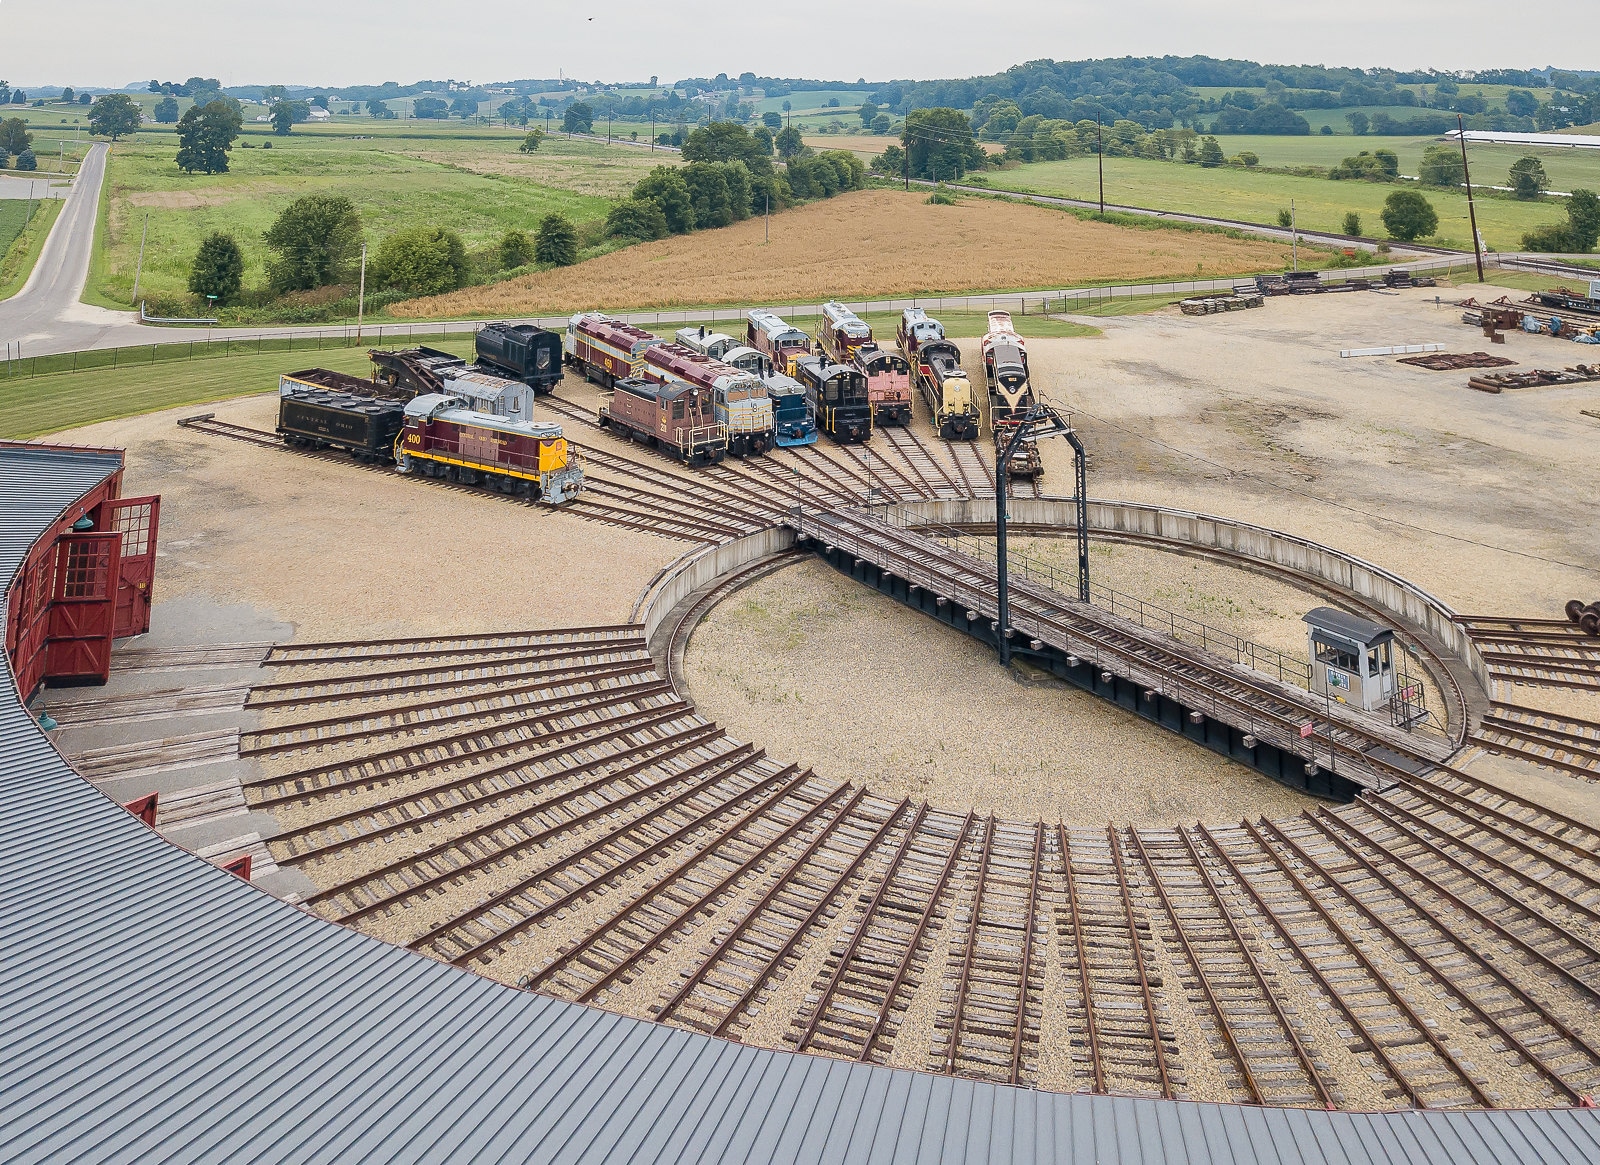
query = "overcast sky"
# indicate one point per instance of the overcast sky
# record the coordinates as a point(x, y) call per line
point(350, 42)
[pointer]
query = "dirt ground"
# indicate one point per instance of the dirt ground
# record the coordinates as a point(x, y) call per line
point(833, 675)
point(1487, 501)
point(867, 243)
point(343, 552)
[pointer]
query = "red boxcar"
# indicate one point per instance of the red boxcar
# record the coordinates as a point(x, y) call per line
point(605, 349)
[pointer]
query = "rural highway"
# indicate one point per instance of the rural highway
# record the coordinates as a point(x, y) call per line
point(45, 316)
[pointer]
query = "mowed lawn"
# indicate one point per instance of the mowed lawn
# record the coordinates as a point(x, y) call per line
point(865, 244)
point(34, 406)
point(390, 187)
point(1251, 196)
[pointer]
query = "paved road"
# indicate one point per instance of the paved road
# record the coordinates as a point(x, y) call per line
point(38, 188)
point(45, 316)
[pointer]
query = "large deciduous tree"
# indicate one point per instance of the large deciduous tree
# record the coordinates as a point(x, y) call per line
point(166, 111)
point(422, 260)
point(205, 135)
point(1442, 166)
point(1527, 178)
point(665, 187)
point(579, 118)
point(288, 114)
point(315, 241)
point(940, 144)
point(1407, 216)
point(14, 135)
point(556, 241)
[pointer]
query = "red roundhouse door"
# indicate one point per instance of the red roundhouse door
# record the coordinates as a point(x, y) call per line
point(82, 613)
point(136, 520)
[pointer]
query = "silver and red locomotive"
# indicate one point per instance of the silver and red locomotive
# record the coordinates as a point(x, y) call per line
point(443, 438)
point(604, 348)
point(739, 398)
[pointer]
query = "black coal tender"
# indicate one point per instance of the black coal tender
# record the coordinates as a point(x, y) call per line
point(522, 352)
point(311, 416)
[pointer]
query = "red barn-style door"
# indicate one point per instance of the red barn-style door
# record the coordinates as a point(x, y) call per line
point(82, 613)
point(136, 520)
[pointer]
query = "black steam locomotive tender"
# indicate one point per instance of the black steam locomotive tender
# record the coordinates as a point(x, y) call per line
point(521, 352)
point(316, 418)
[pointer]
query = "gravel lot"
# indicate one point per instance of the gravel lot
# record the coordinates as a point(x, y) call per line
point(344, 552)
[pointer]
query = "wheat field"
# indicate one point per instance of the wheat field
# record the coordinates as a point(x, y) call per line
point(868, 244)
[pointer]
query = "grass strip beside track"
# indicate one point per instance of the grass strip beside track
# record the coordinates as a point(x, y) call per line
point(34, 406)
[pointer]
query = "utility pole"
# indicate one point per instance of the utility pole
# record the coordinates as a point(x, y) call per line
point(1472, 213)
point(906, 159)
point(361, 296)
point(652, 126)
point(1294, 237)
point(1100, 155)
point(139, 270)
point(610, 109)
point(1058, 426)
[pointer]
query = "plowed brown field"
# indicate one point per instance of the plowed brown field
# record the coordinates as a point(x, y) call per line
point(868, 244)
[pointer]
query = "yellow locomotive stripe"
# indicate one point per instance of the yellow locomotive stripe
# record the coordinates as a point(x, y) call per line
point(478, 465)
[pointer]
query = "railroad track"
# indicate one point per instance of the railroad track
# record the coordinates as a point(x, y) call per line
point(629, 506)
point(977, 478)
point(547, 808)
point(923, 464)
point(505, 802)
point(1539, 652)
point(1564, 743)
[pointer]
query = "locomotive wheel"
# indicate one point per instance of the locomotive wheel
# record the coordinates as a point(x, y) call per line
point(1574, 610)
point(1590, 623)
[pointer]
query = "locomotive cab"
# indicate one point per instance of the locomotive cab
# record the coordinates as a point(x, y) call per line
point(844, 411)
point(713, 344)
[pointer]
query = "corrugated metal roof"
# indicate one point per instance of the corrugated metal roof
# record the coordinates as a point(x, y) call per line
point(154, 1008)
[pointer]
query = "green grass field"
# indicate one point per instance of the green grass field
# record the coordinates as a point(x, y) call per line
point(1568, 168)
point(19, 254)
point(395, 181)
point(14, 213)
point(1252, 196)
point(33, 406)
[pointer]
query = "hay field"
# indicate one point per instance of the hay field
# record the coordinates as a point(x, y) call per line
point(867, 244)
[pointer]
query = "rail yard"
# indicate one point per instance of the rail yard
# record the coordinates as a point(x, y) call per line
point(1155, 861)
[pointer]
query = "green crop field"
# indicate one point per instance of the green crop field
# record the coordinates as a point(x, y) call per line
point(21, 252)
point(14, 213)
point(477, 184)
point(815, 101)
point(1568, 168)
point(1252, 196)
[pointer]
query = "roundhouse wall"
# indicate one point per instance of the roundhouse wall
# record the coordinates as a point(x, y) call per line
point(692, 571)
